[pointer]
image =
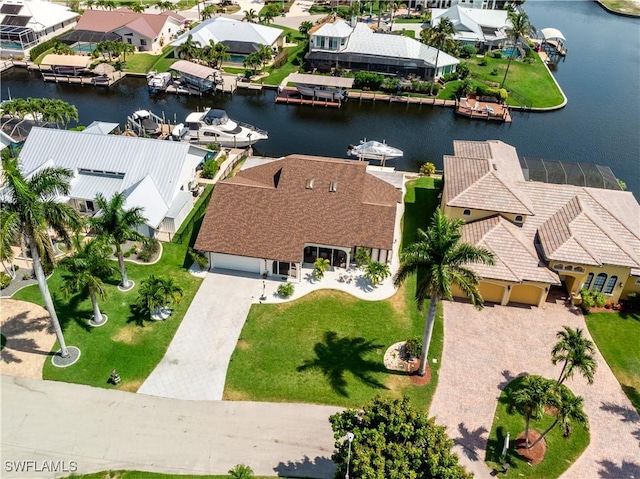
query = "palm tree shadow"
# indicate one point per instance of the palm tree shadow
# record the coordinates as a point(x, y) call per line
point(626, 414)
point(69, 310)
point(335, 356)
point(611, 470)
point(471, 441)
point(508, 377)
point(137, 316)
point(317, 467)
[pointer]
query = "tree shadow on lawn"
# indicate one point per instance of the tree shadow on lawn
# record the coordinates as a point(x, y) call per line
point(68, 309)
point(319, 467)
point(335, 356)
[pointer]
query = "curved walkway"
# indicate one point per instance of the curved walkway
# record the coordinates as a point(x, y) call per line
point(30, 337)
point(484, 350)
point(103, 429)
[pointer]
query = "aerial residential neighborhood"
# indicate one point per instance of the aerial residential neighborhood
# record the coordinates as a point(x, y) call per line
point(319, 239)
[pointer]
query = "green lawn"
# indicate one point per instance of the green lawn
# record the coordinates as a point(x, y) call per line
point(120, 344)
point(561, 452)
point(328, 347)
point(276, 75)
point(144, 62)
point(623, 6)
point(532, 81)
point(618, 336)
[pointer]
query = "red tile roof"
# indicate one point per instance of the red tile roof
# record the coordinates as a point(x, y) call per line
point(147, 24)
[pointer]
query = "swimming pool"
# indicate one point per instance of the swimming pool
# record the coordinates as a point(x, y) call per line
point(236, 58)
point(507, 52)
point(9, 45)
point(83, 47)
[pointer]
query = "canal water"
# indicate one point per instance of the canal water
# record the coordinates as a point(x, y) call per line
point(599, 125)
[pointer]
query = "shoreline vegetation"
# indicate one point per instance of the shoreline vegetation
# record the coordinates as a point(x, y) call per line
point(627, 8)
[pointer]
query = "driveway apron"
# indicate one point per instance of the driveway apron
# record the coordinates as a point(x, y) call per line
point(485, 350)
point(195, 364)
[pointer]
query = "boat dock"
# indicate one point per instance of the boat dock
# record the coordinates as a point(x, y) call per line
point(104, 80)
point(483, 109)
point(290, 95)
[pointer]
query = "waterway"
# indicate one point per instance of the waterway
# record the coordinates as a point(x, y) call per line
point(600, 124)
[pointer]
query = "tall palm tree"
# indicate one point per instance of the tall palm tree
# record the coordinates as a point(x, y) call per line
point(189, 49)
point(250, 16)
point(533, 395)
point(265, 53)
point(222, 53)
point(86, 269)
point(441, 259)
point(570, 408)
point(576, 351)
point(520, 27)
point(116, 225)
point(150, 297)
point(170, 290)
point(29, 210)
point(439, 37)
point(138, 7)
point(207, 12)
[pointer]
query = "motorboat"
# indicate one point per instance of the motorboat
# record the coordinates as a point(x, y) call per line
point(145, 123)
point(322, 92)
point(215, 126)
point(374, 150)
point(158, 82)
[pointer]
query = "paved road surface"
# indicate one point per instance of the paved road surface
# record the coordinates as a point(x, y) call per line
point(104, 429)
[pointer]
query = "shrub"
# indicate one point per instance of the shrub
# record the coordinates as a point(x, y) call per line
point(413, 347)
point(200, 258)
point(600, 299)
point(468, 51)
point(150, 247)
point(286, 289)
point(26, 276)
point(209, 169)
point(5, 280)
point(428, 168)
point(370, 80)
point(483, 62)
point(463, 70)
point(39, 49)
point(362, 256)
point(241, 471)
point(447, 77)
point(494, 72)
point(497, 55)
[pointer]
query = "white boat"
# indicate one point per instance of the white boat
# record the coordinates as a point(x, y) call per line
point(158, 81)
point(323, 92)
point(145, 123)
point(215, 126)
point(374, 150)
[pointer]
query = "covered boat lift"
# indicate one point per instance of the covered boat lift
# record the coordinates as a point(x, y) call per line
point(554, 38)
point(198, 76)
point(66, 64)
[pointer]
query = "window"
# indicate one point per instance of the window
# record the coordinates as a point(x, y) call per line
point(466, 213)
point(599, 282)
point(568, 268)
point(610, 285)
point(558, 266)
point(143, 42)
point(90, 206)
point(579, 269)
point(518, 219)
point(587, 283)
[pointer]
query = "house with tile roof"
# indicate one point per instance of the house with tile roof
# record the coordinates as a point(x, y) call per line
point(148, 32)
point(241, 38)
point(358, 47)
point(542, 234)
point(280, 215)
point(157, 175)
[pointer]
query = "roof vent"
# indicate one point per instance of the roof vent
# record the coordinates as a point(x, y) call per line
point(309, 185)
point(333, 187)
point(495, 167)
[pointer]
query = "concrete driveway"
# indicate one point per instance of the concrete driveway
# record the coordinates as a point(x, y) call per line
point(101, 429)
point(484, 350)
point(195, 364)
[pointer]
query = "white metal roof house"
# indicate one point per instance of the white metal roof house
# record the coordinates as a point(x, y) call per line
point(360, 48)
point(240, 37)
point(479, 4)
point(153, 174)
point(475, 26)
point(25, 23)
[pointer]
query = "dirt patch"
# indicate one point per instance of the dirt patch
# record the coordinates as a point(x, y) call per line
point(536, 454)
point(233, 395)
point(130, 386)
point(243, 344)
point(398, 303)
point(131, 334)
point(396, 384)
point(416, 379)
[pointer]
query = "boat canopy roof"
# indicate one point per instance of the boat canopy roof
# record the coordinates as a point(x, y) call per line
point(78, 61)
point(552, 34)
point(193, 69)
point(321, 80)
point(215, 117)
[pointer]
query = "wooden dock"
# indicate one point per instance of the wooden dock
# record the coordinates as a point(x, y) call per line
point(290, 95)
point(105, 80)
point(483, 110)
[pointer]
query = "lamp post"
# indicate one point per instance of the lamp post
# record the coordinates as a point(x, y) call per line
point(350, 439)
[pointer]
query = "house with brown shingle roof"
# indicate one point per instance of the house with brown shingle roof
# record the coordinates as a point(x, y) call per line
point(542, 234)
point(276, 217)
point(146, 31)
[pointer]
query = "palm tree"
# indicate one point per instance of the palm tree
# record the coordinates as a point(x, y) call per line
point(520, 27)
point(126, 48)
point(170, 290)
point(90, 4)
point(265, 53)
point(439, 37)
point(250, 16)
point(207, 12)
point(320, 266)
point(189, 49)
point(305, 27)
point(29, 210)
point(252, 61)
point(222, 53)
point(376, 272)
point(150, 297)
point(533, 395)
point(138, 7)
point(86, 268)
point(441, 258)
point(569, 408)
point(117, 225)
point(577, 353)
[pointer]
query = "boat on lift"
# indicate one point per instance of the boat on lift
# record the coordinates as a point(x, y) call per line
point(374, 150)
point(158, 82)
point(145, 123)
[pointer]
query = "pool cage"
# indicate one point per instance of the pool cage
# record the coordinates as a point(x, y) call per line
point(87, 37)
point(568, 173)
point(17, 37)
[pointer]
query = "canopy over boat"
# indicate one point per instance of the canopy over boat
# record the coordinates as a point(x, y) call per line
point(320, 80)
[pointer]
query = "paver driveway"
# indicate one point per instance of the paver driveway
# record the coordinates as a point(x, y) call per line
point(484, 350)
point(195, 364)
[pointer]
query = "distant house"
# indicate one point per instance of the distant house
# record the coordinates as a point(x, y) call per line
point(148, 32)
point(25, 23)
point(542, 234)
point(156, 175)
point(276, 217)
point(473, 26)
point(479, 4)
point(241, 38)
point(358, 47)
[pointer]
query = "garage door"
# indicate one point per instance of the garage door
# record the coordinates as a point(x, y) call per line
point(491, 292)
point(236, 263)
point(525, 294)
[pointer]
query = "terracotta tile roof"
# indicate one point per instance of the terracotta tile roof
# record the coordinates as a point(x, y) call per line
point(516, 257)
point(267, 211)
point(147, 24)
point(472, 149)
